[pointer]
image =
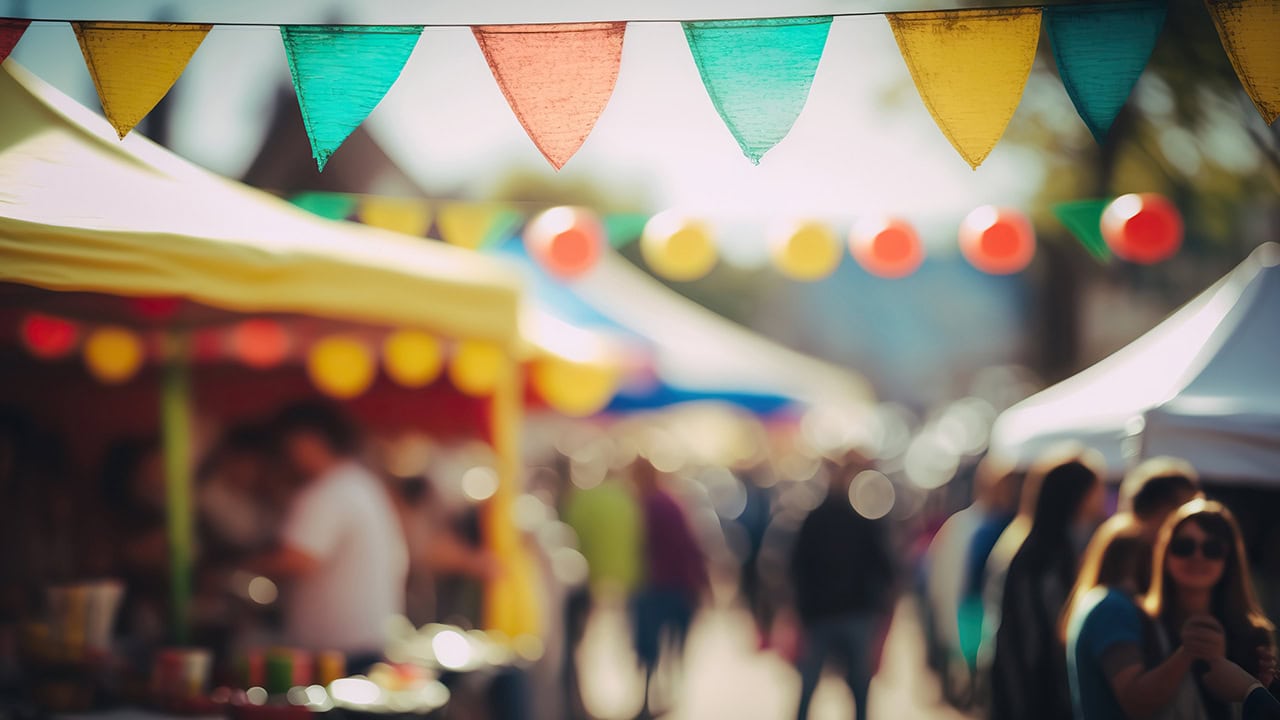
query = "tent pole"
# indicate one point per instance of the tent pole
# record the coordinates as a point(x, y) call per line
point(175, 430)
point(511, 603)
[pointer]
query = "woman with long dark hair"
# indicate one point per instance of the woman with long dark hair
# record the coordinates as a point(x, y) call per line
point(1028, 673)
point(1201, 578)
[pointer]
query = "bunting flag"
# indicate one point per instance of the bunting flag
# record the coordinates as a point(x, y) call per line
point(10, 33)
point(341, 74)
point(970, 67)
point(1249, 30)
point(133, 65)
point(758, 73)
point(1101, 51)
point(1084, 219)
point(335, 206)
point(476, 225)
point(402, 215)
point(557, 78)
point(622, 229)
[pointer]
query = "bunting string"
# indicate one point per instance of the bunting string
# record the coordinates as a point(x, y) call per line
point(969, 65)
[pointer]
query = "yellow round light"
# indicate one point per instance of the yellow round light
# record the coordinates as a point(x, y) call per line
point(574, 389)
point(806, 251)
point(113, 354)
point(475, 367)
point(678, 247)
point(412, 358)
point(341, 366)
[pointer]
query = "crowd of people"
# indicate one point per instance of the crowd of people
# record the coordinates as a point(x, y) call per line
point(1150, 613)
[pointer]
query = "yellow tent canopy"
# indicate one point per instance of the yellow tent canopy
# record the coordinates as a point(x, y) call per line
point(81, 211)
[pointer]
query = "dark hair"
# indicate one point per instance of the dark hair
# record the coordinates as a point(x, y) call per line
point(1062, 490)
point(323, 419)
point(121, 464)
point(1114, 556)
point(248, 439)
point(1157, 485)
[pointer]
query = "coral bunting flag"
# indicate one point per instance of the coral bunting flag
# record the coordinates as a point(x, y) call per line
point(557, 78)
point(476, 225)
point(402, 215)
point(134, 65)
point(1250, 33)
point(10, 33)
point(758, 73)
point(970, 67)
point(341, 74)
point(1101, 51)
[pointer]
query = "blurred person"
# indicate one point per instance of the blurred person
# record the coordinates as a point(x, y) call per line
point(242, 486)
point(1028, 670)
point(1201, 579)
point(133, 494)
point(843, 573)
point(610, 526)
point(342, 548)
point(1114, 671)
point(675, 580)
point(955, 563)
point(1151, 492)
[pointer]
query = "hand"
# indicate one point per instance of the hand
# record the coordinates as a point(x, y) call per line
point(1227, 680)
point(1266, 665)
point(1204, 638)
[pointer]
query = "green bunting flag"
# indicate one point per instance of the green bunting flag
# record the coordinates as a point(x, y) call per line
point(341, 74)
point(758, 73)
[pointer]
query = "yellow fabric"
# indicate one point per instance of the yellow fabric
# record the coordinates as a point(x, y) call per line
point(133, 65)
point(970, 67)
point(468, 224)
point(1250, 30)
point(83, 211)
point(410, 217)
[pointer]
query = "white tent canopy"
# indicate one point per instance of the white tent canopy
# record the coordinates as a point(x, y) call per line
point(1203, 385)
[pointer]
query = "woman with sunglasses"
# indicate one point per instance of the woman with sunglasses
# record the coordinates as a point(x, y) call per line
point(1113, 673)
point(1201, 580)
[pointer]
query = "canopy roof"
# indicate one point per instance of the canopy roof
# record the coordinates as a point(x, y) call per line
point(695, 354)
point(83, 211)
point(1202, 385)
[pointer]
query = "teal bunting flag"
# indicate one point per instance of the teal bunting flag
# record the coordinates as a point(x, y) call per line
point(334, 206)
point(341, 74)
point(624, 228)
point(1101, 51)
point(758, 73)
point(1084, 219)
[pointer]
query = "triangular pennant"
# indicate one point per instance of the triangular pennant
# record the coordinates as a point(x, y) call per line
point(341, 74)
point(335, 206)
point(624, 228)
point(970, 67)
point(1084, 219)
point(1248, 30)
point(557, 78)
point(133, 65)
point(1101, 51)
point(10, 33)
point(402, 215)
point(758, 73)
point(476, 225)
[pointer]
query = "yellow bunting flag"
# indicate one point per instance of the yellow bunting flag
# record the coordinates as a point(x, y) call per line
point(1250, 33)
point(970, 67)
point(474, 225)
point(133, 65)
point(402, 215)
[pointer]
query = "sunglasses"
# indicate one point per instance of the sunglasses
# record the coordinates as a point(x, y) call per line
point(1211, 549)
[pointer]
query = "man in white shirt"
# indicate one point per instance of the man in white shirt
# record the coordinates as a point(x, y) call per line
point(342, 547)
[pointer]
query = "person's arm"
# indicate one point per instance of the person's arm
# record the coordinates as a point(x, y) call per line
point(1141, 692)
point(449, 554)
